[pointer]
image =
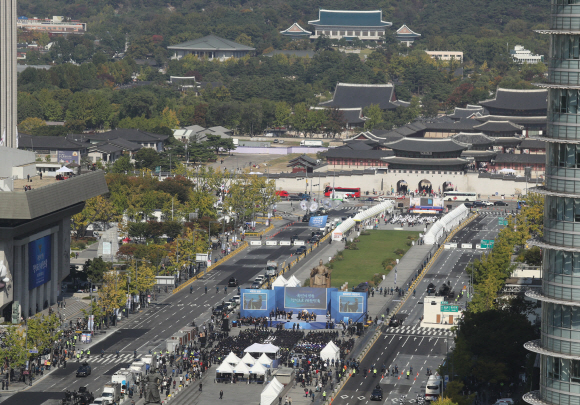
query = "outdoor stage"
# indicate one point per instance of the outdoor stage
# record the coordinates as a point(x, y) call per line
point(319, 323)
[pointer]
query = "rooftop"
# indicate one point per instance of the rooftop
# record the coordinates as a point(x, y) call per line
point(132, 135)
point(532, 143)
point(520, 158)
point(211, 43)
point(349, 95)
point(406, 33)
point(425, 162)
point(460, 113)
point(426, 145)
point(498, 126)
point(49, 142)
point(295, 30)
point(350, 18)
point(510, 99)
point(303, 160)
point(473, 139)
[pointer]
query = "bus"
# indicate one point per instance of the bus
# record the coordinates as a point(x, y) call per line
point(459, 196)
point(344, 191)
point(434, 388)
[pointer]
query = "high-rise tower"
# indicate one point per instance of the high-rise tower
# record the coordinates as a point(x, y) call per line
point(559, 346)
point(8, 118)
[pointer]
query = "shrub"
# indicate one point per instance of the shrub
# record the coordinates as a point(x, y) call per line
point(399, 252)
point(306, 283)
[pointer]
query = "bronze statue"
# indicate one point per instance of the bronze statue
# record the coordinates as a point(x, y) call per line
point(152, 388)
point(320, 276)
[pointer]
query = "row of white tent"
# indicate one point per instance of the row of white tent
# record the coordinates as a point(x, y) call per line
point(282, 282)
point(446, 224)
point(232, 364)
point(340, 230)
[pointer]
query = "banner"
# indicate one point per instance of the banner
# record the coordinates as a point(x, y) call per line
point(352, 305)
point(305, 298)
point(318, 222)
point(257, 303)
point(39, 262)
point(68, 156)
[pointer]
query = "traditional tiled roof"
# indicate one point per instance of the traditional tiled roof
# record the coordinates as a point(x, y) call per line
point(296, 30)
point(347, 153)
point(498, 126)
point(303, 159)
point(211, 43)
point(359, 145)
point(353, 116)
point(349, 95)
point(447, 124)
point(105, 147)
point(460, 113)
point(510, 99)
point(473, 138)
point(520, 158)
point(425, 162)
point(125, 144)
point(518, 120)
point(406, 33)
point(510, 141)
point(133, 135)
point(532, 143)
point(49, 142)
point(426, 145)
point(479, 155)
point(349, 18)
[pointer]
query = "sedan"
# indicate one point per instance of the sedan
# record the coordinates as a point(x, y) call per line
point(488, 203)
point(369, 199)
point(84, 370)
point(501, 203)
point(300, 250)
point(377, 394)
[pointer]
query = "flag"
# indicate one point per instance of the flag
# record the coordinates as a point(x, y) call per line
point(3, 138)
point(17, 137)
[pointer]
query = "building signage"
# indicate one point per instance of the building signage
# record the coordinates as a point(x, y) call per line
point(68, 156)
point(39, 262)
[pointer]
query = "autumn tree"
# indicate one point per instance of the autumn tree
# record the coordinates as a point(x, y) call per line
point(112, 294)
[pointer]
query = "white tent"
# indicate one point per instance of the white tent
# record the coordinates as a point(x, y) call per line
point(261, 348)
point(224, 368)
point(506, 170)
point(385, 206)
point(64, 169)
point(279, 282)
point(293, 282)
point(446, 224)
point(248, 359)
point(329, 352)
point(232, 359)
point(265, 360)
point(242, 368)
point(258, 369)
point(271, 392)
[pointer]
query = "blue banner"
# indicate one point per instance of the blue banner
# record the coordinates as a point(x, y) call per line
point(318, 222)
point(257, 303)
point(350, 305)
point(39, 262)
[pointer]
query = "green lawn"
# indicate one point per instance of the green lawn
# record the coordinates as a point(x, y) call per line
point(362, 264)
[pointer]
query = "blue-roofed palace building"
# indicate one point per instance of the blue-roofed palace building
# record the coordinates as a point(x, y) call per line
point(295, 31)
point(337, 24)
point(406, 35)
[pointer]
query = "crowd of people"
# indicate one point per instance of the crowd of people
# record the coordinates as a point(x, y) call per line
point(410, 219)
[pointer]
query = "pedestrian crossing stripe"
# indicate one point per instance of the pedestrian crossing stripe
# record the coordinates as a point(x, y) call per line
point(419, 330)
point(110, 358)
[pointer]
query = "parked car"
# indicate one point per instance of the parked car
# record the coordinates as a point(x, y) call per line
point(282, 193)
point(479, 203)
point(84, 370)
point(500, 203)
point(431, 288)
point(236, 299)
point(469, 205)
point(300, 250)
point(255, 285)
point(369, 199)
point(260, 279)
point(220, 309)
point(488, 203)
point(306, 218)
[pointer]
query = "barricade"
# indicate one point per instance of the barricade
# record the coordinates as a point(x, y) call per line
point(450, 246)
point(299, 243)
point(467, 246)
point(285, 243)
point(271, 243)
point(256, 243)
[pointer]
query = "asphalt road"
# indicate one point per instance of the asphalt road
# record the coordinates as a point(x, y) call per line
point(411, 345)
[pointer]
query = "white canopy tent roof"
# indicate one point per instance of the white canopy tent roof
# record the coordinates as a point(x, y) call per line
point(242, 368)
point(232, 359)
point(279, 282)
point(293, 282)
point(506, 170)
point(64, 169)
point(262, 348)
point(374, 211)
point(265, 360)
point(271, 392)
point(248, 359)
point(445, 224)
point(329, 352)
point(258, 369)
point(225, 367)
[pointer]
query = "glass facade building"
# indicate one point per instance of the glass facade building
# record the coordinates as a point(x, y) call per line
point(559, 345)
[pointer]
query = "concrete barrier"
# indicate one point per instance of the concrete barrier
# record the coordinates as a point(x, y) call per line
point(271, 243)
point(299, 243)
point(285, 243)
point(478, 246)
point(450, 246)
point(467, 246)
point(256, 243)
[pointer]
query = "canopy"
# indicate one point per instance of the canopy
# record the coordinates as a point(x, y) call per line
point(248, 359)
point(271, 392)
point(64, 169)
point(329, 352)
point(232, 359)
point(265, 360)
point(446, 224)
point(293, 282)
point(242, 368)
point(506, 170)
point(258, 369)
point(224, 368)
point(279, 282)
point(261, 348)
point(339, 231)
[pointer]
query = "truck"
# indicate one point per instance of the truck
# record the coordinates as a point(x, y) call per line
point(138, 368)
point(311, 142)
point(125, 378)
point(150, 361)
point(434, 388)
point(101, 401)
point(112, 392)
point(271, 268)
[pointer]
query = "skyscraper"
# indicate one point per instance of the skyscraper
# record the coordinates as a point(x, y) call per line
point(559, 346)
point(8, 118)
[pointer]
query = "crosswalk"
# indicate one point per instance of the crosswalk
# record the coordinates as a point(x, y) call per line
point(418, 330)
point(493, 213)
point(110, 359)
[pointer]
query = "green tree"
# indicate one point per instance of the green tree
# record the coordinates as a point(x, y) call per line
point(147, 158)
point(282, 115)
point(30, 124)
point(122, 165)
point(374, 116)
point(95, 269)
